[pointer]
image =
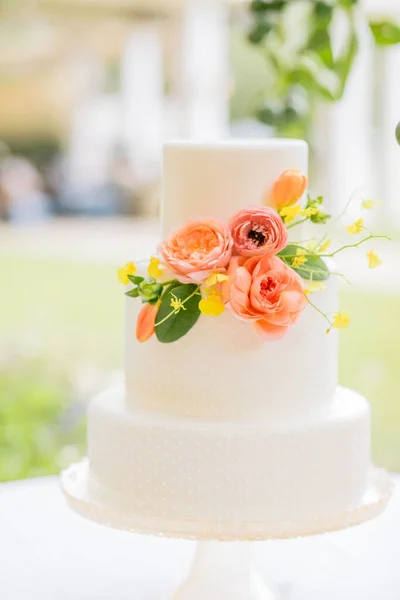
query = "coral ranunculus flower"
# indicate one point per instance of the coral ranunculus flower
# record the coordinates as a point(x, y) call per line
point(288, 188)
point(266, 291)
point(258, 231)
point(196, 250)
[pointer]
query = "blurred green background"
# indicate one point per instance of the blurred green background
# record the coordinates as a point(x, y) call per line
point(89, 91)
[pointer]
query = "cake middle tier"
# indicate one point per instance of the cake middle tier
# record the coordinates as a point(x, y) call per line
point(221, 370)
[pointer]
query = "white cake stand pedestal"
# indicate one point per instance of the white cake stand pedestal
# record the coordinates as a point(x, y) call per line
point(220, 570)
point(224, 570)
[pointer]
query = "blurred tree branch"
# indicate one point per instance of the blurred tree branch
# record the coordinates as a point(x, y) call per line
point(311, 46)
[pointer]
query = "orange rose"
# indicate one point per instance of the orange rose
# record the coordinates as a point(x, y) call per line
point(266, 291)
point(196, 250)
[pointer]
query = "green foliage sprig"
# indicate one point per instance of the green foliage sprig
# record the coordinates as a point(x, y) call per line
point(296, 38)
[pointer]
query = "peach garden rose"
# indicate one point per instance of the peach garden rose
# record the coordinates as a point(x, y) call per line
point(266, 291)
point(196, 250)
point(258, 231)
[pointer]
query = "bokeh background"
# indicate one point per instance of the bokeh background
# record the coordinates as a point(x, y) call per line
point(89, 90)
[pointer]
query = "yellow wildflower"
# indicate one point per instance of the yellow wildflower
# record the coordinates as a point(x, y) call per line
point(300, 259)
point(373, 259)
point(315, 286)
point(309, 212)
point(289, 213)
point(357, 226)
point(211, 305)
point(154, 269)
point(325, 245)
point(128, 269)
point(341, 320)
point(312, 245)
point(215, 278)
point(177, 303)
point(368, 204)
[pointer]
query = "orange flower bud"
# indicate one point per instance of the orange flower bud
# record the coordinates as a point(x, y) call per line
point(145, 322)
point(288, 188)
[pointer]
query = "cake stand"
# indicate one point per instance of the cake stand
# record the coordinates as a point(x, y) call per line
point(221, 570)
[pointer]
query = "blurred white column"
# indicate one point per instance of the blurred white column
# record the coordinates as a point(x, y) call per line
point(142, 85)
point(205, 69)
point(351, 131)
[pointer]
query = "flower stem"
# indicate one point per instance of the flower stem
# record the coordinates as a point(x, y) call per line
point(169, 282)
point(370, 237)
point(348, 203)
point(297, 223)
point(318, 309)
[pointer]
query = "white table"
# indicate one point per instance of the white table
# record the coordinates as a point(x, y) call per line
point(49, 553)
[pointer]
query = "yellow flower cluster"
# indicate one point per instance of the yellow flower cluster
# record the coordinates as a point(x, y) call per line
point(154, 268)
point(290, 213)
point(315, 286)
point(341, 320)
point(368, 204)
point(129, 268)
point(357, 226)
point(211, 305)
point(374, 259)
point(299, 259)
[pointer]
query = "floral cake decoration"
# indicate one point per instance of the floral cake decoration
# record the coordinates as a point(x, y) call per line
point(246, 266)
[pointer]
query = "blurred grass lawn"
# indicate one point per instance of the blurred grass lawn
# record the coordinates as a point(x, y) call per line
point(58, 320)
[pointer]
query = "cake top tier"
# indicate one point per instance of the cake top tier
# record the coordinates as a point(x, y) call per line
point(215, 180)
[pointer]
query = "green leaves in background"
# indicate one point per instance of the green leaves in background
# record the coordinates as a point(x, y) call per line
point(178, 312)
point(296, 39)
point(313, 269)
point(385, 33)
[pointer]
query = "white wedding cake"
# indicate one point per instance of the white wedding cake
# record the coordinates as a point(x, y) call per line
point(239, 419)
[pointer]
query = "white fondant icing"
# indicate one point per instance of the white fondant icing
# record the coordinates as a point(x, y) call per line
point(223, 370)
point(177, 468)
point(217, 180)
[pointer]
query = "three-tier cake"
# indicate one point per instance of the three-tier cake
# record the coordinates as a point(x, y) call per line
point(225, 426)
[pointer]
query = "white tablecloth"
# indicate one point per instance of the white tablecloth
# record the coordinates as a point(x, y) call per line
point(49, 553)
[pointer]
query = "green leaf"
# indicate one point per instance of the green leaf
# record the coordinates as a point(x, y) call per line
point(264, 6)
point(321, 218)
point(345, 62)
point(385, 33)
point(314, 201)
point(135, 279)
point(314, 269)
point(259, 31)
point(134, 293)
point(171, 286)
point(323, 12)
point(170, 325)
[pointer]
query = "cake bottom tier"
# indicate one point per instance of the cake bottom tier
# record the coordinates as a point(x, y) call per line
point(173, 468)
